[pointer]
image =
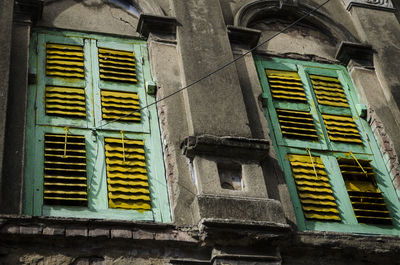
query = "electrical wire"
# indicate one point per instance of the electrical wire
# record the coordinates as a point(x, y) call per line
point(219, 68)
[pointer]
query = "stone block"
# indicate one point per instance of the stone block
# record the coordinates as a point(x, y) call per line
point(54, 231)
point(31, 230)
point(140, 234)
point(76, 232)
point(121, 233)
point(99, 232)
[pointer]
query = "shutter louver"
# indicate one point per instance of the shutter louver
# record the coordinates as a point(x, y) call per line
point(64, 170)
point(117, 66)
point(368, 203)
point(115, 105)
point(329, 91)
point(342, 128)
point(128, 186)
point(297, 124)
point(286, 85)
point(315, 192)
point(65, 101)
point(66, 61)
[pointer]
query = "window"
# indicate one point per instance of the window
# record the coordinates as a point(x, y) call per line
point(89, 154)
point(334, 170)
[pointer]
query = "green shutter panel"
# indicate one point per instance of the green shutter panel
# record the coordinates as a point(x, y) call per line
point(314, 190)
point(368, 203)
point(65, 101)
point(286, 85)
point(117, 66)
point(64, 170)
point(120, 105)
point(128, 186)
point(65, 61)
point(329, 91)
point(342, 128)
point(297, 124)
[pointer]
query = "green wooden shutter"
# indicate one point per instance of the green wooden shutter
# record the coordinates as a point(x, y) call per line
point(64, 170)
point(346, 184)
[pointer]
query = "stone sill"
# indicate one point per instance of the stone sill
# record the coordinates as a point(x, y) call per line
point(12, 226)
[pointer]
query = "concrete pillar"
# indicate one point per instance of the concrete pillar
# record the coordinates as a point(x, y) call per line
point(215, 105)
point(6, 14)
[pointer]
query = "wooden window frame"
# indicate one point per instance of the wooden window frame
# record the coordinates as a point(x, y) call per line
point(327, 149)
point(93, 127)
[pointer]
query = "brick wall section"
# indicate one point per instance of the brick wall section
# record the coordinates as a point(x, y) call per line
point(387, 149)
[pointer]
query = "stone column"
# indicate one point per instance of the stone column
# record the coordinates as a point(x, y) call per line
point(6, 14)
point(25, 13)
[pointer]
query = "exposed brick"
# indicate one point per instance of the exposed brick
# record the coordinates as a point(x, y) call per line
point(121, 233)
point(140, 234)
point(99, 232)
point(76, 232)
point(30, 230)
point(54, 231)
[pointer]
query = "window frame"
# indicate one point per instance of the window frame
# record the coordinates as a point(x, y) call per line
point(148, 130)
point(328, 152)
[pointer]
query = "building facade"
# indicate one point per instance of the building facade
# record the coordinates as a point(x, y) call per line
point(199, 132)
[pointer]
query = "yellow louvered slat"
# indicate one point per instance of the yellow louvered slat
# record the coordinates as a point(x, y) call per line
point(125, 106)
point(66, 61)
point(286, 85)
point(127, 180)
point(342, 129)
point(313, 187)
point(297, 124)
point(117, 66)
point(329, 91)
point(65, 102)
point(64, 170)
point(368, 203)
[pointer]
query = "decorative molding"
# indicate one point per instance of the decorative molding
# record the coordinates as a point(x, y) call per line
point(244, 36)
point(361, 53)
point(237, 147)
point(375, 4)
point(28, 11)
point(156, 24)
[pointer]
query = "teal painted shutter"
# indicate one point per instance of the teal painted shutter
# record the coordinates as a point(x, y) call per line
point(83, 162)
point(334, 171)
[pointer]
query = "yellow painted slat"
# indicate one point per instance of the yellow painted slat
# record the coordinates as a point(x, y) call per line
point(66, 101)
point(280, 73)
point(65, 169)
point(117, 78)
point(64, 68)
point(283, 127)
point(126, 141)
point(128, 182)
point(329, 89)
point(66, 113)
point(63, 90)
point(287, 92)
point(65, 53)
point(127, 118)
point(114, 62)
point(123, 95)
point(302, 118)
point(332, 100)
point(314, 189)
point(325, 78)
point(116, 52)
point(65, 106)
point(112, 196)
point(322, 216)
point(127, 155)
point(65, 184)
point(126, 169)
point(64, 198)
point(276, 83)
point(279, 96)
point(127, 189)
point(66, 74)
point(307, 164)
point(62, 96)
point(130, 206)
point(308, 195)
point(300, 135)
point(121, 105)
point(338, 118)
point(123, 68)
point(105, 72)
point(345, 129)
point(330, 103)
point(311, 177)
point(132, 102)
point(308, 171)
point(318, 202)
point(313, 183)
point(349, 140)
point(52, 60)
point(117, 111)
point(130, 176)
point(64, 46)
point(65, 192)
point(304, 158)
point(64, 177)
point(64, 163)
point(340, 123)
point(125, 163)
point(330, 95)
point(320, 209)
point(126, 149)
